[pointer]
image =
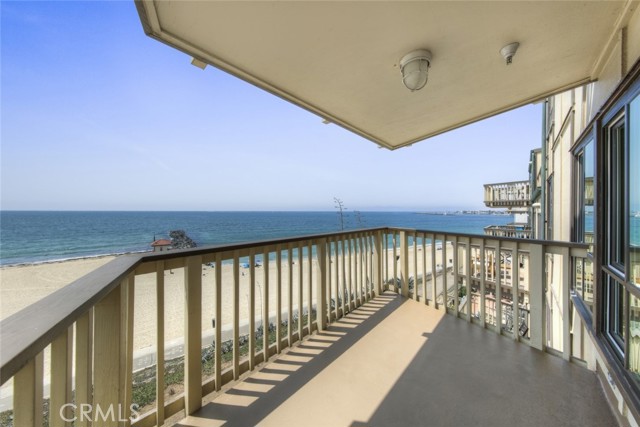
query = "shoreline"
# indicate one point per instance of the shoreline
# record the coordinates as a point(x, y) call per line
point(70, 259)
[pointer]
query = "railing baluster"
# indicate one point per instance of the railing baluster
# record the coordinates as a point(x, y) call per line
point(415, 266)
point(252, 309)
point(378, 262)
point(424, 269)
point(483, 274)
point(218, 318)
point(236, 315)
point(290, 295)
point(404, 263)
point(300, 287)
point(321, 285)
point(126, 349)
point(265, 303)
point(357, 269)
point(396, 289)
point(456, 276)
point(343, 287)
point(159, 343)
point(193, 335)
point(445, 273)
point(515, 281)
point(61, 358)
point(278, 299)
point(310, 285)
point(498, 280)
point(536, 296)
point(350, 271)
point(84, 356)
point(336, 270)
point(566, 303)
point(434, 274)
point(106, 389)
point(467, 273)
point(27, 394)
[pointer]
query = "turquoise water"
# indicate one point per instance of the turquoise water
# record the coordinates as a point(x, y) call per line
point(29, 237)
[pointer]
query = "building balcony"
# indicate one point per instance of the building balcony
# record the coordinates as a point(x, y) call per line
point(381, 326)
point(518, 231)
point(507, 195)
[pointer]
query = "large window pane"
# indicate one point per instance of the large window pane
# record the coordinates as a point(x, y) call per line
point(587, 221)
point(615, 195)
point(634, 336)
point(634, 191)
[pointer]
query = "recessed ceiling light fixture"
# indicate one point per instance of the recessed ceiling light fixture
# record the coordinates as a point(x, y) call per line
point(414, 67)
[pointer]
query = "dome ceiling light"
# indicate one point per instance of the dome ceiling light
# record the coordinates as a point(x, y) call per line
point(414, 67)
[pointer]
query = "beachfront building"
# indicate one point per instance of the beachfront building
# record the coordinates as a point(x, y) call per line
point(366, 352)
point(160, 245)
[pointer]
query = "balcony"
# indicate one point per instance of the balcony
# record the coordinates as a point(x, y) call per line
point(507, 195)
point(518, 231)
point(371, 327)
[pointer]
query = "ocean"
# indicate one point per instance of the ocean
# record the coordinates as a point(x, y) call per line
point(37, 236)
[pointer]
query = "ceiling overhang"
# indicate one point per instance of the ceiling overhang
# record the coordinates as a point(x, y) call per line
point(339, 60)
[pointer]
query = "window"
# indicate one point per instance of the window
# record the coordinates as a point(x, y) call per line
point(620, 222)
point(583, 227)
point(634, 192)
point(549, 213)
point(615, 211)
point(615, 328)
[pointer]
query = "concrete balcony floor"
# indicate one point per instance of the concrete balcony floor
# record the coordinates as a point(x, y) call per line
point(395, 362)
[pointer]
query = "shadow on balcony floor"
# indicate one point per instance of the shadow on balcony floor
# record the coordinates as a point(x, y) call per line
point(394, 362)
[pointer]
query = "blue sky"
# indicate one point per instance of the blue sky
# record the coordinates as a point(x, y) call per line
point(98, 116)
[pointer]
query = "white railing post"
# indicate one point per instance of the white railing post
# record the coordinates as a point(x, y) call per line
point(415, 266)
point(498, 280)
point(193, 334)
point(126, 347)
point(27, 394)
point(378, 253)
point(252, 309)
point(566, 304)
point(61, 358)
point(321, 285)
point(265, 305)
point(536, 296)
point(278, 299)
point(160, 343)
point(404, 264)
point(106, 389)
point(218, 317)
point(236, 315)
point(84, 368)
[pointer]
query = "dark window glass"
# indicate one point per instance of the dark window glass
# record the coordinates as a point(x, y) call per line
point(634, 192)
point(615, 196)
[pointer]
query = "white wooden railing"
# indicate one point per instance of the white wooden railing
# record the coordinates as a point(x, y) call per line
point(507, 194)
point(88, 328)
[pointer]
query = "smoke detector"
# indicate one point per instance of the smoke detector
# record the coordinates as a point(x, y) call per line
point(509, 51)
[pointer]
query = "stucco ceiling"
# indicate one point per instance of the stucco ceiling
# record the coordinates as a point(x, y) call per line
point(340, 59)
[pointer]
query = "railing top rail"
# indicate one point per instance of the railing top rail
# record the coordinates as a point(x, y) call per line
point(503, 239)
point(523, 182)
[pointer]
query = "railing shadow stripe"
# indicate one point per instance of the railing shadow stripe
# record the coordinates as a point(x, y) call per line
point(262, 407)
